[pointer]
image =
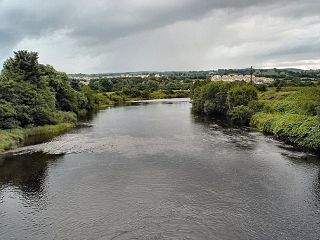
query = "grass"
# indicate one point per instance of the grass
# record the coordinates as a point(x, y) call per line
point(10, 139)
point(290, 115)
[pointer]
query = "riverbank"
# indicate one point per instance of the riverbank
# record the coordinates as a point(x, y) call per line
point(290, 114)
point(10, 139)
point(13, 138)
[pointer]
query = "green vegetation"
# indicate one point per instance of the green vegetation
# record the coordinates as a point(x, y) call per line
point(110, 91)
point(10, 139)
point(220, 98)
point(134, 85)
point(291, 114)
point(32, 95)
point(37, 99)
point(117, 98)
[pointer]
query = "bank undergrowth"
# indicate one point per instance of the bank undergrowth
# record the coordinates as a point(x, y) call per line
point(12, 138)
point(291, 114)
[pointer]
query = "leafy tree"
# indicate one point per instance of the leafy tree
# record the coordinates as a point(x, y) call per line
point(242, 95)
point(105, 85)
point(75, 84)
point(211, 99)
point(94, 84)
point(7, 115)
point(92, 101)
point(23, 66)
point(152, 85)
point(32, 106)
point(170, 86)
point(36, 94)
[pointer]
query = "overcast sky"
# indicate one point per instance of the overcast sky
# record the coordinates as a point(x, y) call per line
point(132, 35)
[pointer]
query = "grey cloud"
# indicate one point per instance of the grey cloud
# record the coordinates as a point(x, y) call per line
point(111, 30)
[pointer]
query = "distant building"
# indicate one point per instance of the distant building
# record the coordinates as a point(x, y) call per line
point(236, 77)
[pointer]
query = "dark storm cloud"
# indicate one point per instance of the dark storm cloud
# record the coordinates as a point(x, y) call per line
point(110, 30)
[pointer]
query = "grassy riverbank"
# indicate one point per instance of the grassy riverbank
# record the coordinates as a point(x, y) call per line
point(291, 114)
point(10, 139)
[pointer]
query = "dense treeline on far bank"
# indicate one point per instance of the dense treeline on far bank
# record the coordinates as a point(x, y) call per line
point(118, 90)
point(291, 114)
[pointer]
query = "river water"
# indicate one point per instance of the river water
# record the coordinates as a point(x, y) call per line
point(155, 171)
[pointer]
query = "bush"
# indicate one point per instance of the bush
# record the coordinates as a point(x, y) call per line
point(240, 115)
point(257, 105)
point(261, 87)
point(64, 117)
point(241, 95)
point(301, 130)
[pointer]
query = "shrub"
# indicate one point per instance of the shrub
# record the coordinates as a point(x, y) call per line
point(241, 95)
point(257, 105)
point(240, 115)
point(64, 117)
point(261, 87)
point(301, 130)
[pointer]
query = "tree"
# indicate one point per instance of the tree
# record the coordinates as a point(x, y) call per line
point(23, 66)
point(211, 98)
point(241, 95)
point(36, 94)
point(32, 106)
point(240, 115)
point(152, 85)
point(105, 85)
point(94, 84)
point(7, 115)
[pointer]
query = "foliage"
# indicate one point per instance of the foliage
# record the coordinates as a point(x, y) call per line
point(217, 98)
point(301, 130)
point(12, 138)
point(261, 87)
point(138, 84)
point(29, 104)
point(242, 95)
point(292, 114)
point(240, 115)
point(211, 98)
point(36, 94)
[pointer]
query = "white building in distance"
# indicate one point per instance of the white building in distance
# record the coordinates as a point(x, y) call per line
point(246, 78)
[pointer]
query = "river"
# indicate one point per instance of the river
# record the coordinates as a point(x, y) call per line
point(155, 171)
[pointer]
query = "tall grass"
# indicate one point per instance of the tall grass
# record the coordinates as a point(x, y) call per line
point(290, 115)
point(10, 139)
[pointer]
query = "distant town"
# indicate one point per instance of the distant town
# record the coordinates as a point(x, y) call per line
point(259, 76)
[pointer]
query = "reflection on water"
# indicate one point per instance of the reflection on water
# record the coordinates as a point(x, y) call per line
point(155, 171)
point(26, 173)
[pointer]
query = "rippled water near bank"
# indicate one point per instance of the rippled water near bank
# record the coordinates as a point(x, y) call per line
point(155, 171)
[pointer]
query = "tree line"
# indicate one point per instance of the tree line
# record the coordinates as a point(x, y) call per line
point(33, 94)
point(138, 83)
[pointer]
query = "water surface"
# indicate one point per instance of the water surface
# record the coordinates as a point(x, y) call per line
point(155, 171)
